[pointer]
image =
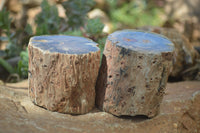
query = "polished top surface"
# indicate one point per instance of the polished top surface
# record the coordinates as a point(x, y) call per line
point(141, 41)
point(64, 44)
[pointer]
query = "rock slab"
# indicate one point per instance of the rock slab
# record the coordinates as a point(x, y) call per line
point(63, 72)
point(134, 72)
point(179, 113)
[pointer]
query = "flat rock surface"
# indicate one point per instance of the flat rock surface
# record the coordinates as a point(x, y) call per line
point(180, 113)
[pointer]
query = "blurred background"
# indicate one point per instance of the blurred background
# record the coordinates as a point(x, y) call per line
point(179, 20)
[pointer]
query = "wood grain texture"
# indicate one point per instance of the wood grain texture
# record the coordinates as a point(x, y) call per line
point(63, 82)
point(132, 80)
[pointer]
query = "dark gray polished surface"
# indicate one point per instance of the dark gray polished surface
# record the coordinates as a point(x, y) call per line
point(141, 41)
point(64, 44)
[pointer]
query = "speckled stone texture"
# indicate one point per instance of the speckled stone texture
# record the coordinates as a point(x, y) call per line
point(134, 72)
point(63, 72)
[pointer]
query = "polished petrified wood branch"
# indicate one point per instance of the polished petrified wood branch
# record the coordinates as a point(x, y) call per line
point(134, 72)
point(63, 72)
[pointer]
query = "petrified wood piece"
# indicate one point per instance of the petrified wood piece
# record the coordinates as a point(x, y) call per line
point(63, 72)
point(134, 72)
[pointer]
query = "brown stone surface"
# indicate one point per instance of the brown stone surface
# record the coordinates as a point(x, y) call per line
point(14, 5)
point(182, 9)
point(185, 55)
point(132, 81)
point(59, 81)
point(179, 113)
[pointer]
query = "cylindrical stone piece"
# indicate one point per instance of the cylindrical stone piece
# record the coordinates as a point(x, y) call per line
point(63, 72)
point(134, 71)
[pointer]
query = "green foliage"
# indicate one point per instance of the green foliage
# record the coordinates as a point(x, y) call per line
point(101, 43)
point(12, 47)
point(112, 4)
point(7, 66)
point(28, 29)
point(73, 33)
point(2, 53)
point(136, 14)
point(76, 11)
point(94, 27)
point(5, 23)
point(48, 21)
point(22, 67)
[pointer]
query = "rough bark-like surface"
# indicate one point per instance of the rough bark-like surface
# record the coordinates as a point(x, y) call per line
point(63, 82)
point(179, 113)
point(133, 77)
point(185, 56)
